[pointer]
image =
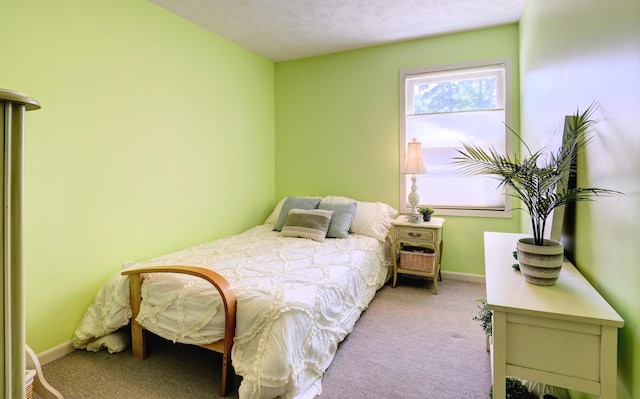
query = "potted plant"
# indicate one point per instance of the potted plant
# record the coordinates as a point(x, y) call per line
point(540, 181)
point(484, 317)
point(515, 389)
point(426, 212)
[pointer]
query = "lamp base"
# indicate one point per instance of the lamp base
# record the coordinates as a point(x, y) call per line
point(414, 217)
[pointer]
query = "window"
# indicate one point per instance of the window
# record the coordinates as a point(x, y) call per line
point(443, 107)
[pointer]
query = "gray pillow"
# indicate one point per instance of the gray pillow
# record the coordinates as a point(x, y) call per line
point(312, 223)
point(342, 217)
point(294, 203)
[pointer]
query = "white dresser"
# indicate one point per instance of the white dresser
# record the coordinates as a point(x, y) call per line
point(564, 335)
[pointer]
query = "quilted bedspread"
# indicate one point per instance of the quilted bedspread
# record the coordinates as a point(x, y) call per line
point(297, 299)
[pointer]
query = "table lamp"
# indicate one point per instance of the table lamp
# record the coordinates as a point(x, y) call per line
point(414, 165)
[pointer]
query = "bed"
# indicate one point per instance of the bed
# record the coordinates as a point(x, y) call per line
point(301, 280)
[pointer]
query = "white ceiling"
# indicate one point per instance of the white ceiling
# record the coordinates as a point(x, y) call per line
point(282, 30)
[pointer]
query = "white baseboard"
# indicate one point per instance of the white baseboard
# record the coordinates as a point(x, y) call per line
point(472, 278)
point(55, 353)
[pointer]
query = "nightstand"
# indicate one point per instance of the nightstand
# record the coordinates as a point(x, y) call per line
point(417, 249)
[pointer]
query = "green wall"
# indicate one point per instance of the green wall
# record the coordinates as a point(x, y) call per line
point(154, 135)
point(570, 56)
point(337, 127)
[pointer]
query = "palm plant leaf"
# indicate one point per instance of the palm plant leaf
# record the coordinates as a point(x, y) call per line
point(540, 185)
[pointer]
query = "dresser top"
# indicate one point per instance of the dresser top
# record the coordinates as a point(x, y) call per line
point(571, 298)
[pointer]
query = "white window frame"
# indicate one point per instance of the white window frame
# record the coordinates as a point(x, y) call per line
point(448, 69)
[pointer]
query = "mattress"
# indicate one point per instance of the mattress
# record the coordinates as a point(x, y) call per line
point(297, 300)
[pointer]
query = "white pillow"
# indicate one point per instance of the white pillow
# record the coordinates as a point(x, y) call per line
point(371, 219)
point(273, 218)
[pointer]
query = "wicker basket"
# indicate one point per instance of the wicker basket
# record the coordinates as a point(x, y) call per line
point(415, 258)
point(28, 380)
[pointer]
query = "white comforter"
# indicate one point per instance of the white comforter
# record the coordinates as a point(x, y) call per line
point(297, 299)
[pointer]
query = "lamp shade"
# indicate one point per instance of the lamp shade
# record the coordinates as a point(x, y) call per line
point(414, 163)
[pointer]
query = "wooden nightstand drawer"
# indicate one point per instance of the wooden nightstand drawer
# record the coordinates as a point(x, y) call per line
point(418, 235)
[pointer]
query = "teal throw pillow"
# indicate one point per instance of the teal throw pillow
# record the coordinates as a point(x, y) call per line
point(294, 203)
point(342, 217)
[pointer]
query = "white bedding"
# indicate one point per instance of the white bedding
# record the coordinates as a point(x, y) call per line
point(297, 299)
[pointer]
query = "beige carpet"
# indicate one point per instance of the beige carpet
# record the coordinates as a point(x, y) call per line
point(409, 343)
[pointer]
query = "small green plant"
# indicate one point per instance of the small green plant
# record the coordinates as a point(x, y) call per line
point(484, 316)
point(515, 390)
point(426, 210)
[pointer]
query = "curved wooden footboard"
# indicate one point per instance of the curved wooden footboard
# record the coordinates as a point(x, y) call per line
point(228, 299)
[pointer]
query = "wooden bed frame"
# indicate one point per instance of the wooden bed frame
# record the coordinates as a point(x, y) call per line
point(229, 300)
